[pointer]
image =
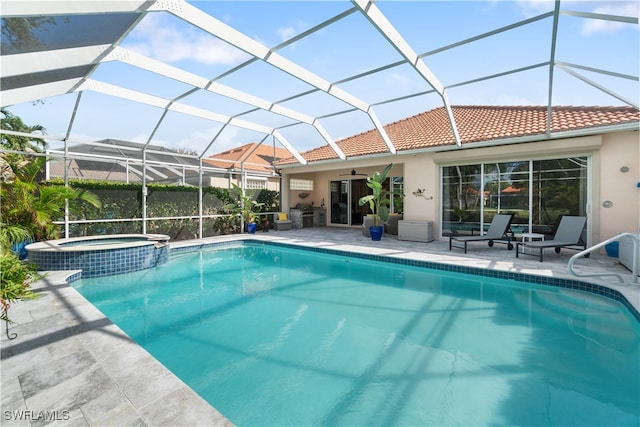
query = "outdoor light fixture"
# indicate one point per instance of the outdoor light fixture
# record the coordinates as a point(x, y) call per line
point(420, 193)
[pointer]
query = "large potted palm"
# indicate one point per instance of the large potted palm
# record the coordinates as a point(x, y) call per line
point(247, 208)
point(379, 201)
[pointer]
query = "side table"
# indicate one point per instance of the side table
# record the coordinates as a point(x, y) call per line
point(530, 237)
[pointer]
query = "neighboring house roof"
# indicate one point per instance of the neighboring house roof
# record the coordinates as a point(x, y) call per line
point(257, 157)
point(431, 129)
point(511, 189)
point(163, 165)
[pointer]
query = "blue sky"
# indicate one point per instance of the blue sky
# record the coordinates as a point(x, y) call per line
point(346, 48)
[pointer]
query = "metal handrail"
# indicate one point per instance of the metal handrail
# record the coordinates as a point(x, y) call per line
point(634, 270)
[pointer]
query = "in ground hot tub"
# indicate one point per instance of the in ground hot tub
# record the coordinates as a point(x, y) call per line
point(101, 255)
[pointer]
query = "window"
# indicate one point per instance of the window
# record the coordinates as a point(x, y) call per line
point(256, 184)
point(301, 184)
point(397, 188)
point(537, 192)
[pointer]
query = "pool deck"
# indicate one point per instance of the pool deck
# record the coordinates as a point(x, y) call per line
point(69, 365)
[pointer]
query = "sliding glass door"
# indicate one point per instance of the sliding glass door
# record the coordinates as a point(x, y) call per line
point(537, 192)
point(344, 196)
point(339, 202)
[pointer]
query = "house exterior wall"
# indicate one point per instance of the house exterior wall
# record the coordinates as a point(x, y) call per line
point(421, 173)
point(219, 182)
point(607, 154)
point(620, 188)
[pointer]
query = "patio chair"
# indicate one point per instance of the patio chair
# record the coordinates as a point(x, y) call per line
point(499, 230)
point(282, 222)
point(568, 236)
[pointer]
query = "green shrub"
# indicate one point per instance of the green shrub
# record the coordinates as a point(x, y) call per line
point(15, 277)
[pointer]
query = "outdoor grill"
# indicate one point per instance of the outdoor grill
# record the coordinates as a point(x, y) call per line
point(307, 214)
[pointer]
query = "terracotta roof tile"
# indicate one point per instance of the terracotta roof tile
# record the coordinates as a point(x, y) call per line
point(259, 160)
point(475, 124)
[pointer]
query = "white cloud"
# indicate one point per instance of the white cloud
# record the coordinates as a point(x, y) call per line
point(399, 81)
point(286, 33)
point(612, 8)
point(621, 8)
point(161, 39)
point(531, 8)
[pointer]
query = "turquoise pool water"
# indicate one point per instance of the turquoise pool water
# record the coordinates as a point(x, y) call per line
point(102, 242)
point(272, 335)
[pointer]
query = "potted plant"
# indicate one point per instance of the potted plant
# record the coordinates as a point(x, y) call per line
point(249, 220)
point(247, 208)
point(378, 200)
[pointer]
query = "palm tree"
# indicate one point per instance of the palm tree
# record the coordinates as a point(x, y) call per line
point(35, 205)
point(20, 143)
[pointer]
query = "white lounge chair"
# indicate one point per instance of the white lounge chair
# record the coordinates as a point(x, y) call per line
point(499, 230)
point(568, 235)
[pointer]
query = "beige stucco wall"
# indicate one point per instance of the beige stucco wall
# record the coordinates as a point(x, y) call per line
point(618, 187)
point(607, 154)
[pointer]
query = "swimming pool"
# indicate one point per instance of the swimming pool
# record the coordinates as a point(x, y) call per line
point(273, 335)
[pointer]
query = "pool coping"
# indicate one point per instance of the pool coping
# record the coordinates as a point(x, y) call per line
point(61, 325)
point(62, 245)
point(71, 364)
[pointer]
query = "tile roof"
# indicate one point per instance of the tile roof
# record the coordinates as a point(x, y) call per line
point(257, 159)
point(475, 124)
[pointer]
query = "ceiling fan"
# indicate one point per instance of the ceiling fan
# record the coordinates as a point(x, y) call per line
point(353, 173)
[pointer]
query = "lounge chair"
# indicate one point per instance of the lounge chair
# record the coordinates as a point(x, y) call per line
point(499, 230)
point(568, 235)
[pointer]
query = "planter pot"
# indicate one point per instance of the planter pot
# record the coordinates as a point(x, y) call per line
point(251, 228)
point(612, 249)
point(376, 232)
point(20, 249)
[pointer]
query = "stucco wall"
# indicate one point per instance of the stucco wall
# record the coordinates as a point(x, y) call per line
point(420, 172)
point(621, 150)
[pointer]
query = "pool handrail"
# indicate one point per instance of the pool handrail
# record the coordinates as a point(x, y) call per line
point(617, 238)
